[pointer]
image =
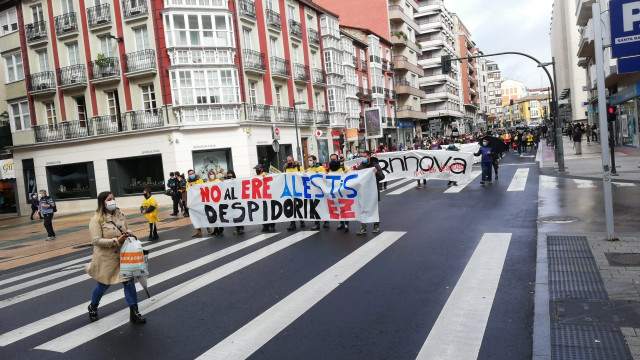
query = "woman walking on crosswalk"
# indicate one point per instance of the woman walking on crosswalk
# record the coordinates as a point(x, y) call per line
point(108, 228)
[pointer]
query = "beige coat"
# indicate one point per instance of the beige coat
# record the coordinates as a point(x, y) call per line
point(105, 264)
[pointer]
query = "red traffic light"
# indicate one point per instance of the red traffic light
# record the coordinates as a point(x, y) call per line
point(612, 110)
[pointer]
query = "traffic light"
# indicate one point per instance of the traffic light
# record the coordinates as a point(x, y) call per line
point(445, 63)
point(611, 113)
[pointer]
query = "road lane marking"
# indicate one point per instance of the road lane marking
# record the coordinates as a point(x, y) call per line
point(252, 336)
point(548, 182)
point(584, 184)
point(620, 184)
point(412, 184)
point(66, 264)
point(519, 181)
point(62, 273)
point(399, 183)
point(53, 320)
point(457, 333)
point(72, 281)
point(462, 185)
point(91, 331)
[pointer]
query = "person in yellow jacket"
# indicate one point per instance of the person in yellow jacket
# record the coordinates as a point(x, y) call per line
point(194, 179)
point(270, 227)
point(317, 168)
point(289, 167)
point(213, 177)
point(149, 209)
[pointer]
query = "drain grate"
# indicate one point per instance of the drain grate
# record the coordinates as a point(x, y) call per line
point(581, 342)
point(623, 259)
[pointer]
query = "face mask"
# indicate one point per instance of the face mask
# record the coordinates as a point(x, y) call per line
point(192, 176)
point(311, 163)
point(258, 171)
point(212, 177)
point(111, 205)
point(146, 196)
point(334, 165)
point(364, 160)
point(485, 143)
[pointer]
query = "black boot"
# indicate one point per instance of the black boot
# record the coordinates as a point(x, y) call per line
point(93, 312)
point(135, 316)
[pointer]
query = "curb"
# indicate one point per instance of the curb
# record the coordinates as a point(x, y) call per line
point(541, 315)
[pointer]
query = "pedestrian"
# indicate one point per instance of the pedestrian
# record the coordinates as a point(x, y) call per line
point(487, 160)
point(231, 175)
point(452, 147)
point(149, 209)
point(46, 207)
point(172, 183)
point(182, 194)
point(594, 132)
point(270, 227)
point(34, 206)
point(109, 230)
point(312, 162)
point(289, 167)
point(369, 162)
point(577, 140)
point(588, 132)
point(212, 178)
point(193, 179)
point(569, 130)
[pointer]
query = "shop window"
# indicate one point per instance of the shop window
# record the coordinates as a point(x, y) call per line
point(218, 160)
point(268, 157)
point(130, 176)
point(29, 173)
point(72, 181)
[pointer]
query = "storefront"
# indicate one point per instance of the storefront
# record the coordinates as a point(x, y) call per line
point(72, 181)
point(628, 104)
point(218, 160)
point(7, 187)
point(130, 176)
point(406, 133)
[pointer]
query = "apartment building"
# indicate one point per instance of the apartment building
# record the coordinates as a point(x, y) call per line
point(120, 93)
point(531, 109)
point(623, 90)
point(439, 37)
point(512, 90)
point(480, 121)
point(468, 73)
point(494, 87)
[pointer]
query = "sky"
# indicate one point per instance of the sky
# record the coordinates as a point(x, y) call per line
point(508, 25)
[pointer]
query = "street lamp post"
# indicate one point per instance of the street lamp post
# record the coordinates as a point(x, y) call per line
point(295, 120)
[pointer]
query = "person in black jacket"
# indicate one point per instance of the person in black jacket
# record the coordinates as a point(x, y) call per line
point(371, 162)
point(34, 205)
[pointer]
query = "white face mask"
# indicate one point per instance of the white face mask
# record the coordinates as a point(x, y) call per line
point(212, 177)
point(111, 205)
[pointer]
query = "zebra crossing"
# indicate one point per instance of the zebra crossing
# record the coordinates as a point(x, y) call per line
point(49, 335)
point(551, 182)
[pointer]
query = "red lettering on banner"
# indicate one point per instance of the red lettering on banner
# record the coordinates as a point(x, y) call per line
point(256, 184)
point(216, 194)
point(341, 209)
point(204, 193)
point(266, 188)
point(245, 189)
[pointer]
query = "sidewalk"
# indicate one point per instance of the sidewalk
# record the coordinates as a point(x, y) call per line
point(587, 302)
point(22, 241)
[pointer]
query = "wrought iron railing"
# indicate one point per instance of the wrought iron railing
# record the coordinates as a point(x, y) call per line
point(280, 66)
point(134, 8)
point(139, 61)
point(66, 23)
point(253, 59)
point(313, 36)
point(363, 64)
point(46, 133)
point(273, 19)
point(145, 119)
point(295, 28)
point(259, 112)
point(74, 74)
point(319, 76)
point(305, 116)
point(41, 81)
point(284, 114)
point(247, 8)
point(104, 68)
point(99, 15)
point(322, 118)
point(109, 124)
point(36, 31)
point(301, 72)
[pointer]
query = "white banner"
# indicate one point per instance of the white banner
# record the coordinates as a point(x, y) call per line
point(423, 164)
point(285, 197)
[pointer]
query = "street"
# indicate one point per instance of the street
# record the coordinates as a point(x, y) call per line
point(312, 295)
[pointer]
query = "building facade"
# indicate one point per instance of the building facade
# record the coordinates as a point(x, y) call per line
point(494, 87)
point(512, 90)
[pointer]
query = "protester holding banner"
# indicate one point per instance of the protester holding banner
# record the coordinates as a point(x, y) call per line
point(231, 175)
point(194, 179)
point(109, 229)
point(270, 227)
point(182, 193)
point(212, 178)
point(336, 167)
point(487, 160)
point(289, 167)
point(451, 147)
point(369, 162)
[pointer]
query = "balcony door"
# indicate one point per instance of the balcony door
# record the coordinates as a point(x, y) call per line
point(67, 6)
point(81, 115)
point(113, 110)
point(246, 38)
point(142, 38)
point(37, 13)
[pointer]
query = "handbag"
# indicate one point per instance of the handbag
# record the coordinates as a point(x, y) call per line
point(133, 258)
point(168, 192)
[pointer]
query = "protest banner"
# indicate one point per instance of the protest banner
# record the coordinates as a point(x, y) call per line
point(285, 197)
point(423, 164)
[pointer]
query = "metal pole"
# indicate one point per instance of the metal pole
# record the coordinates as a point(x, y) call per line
point(602, 117)
point(295, 120)
point(559, 144)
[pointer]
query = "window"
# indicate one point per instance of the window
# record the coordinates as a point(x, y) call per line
point(269, 4)
point(362, 55)
point(81, 110)
point(252, 92)
point(71, 181)
point(142, 38)
point(13, 68)
point(36, 13)
point(246, 37)
point(148, 97)
point(74, 53)
point(273, 48)
point(213, 86)
point(365, 82)
point(198, 30)
point(278, 96)
point(43, 60)
point(129, 176)
point(8, 22)
point(19, 114)
point(50, 110)
point(316, 101)
point(112, 102)
point(292, 12)
point(67, 6)
point(299, 96)
point(294, 53)
point(105, 46)
point(313, 59)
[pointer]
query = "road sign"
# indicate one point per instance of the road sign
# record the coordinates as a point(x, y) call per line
point(275, 133)
point(625, 28)
point(275, 145)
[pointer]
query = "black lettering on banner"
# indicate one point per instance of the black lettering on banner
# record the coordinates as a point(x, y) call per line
point(459, 166)
point(253, 207)
point(429, 166)
point(211, 213)
point(276, 209)
point(298, 203)
point(223, 212)
point(265, 210)
point(288, 208)
point(227, 194)
point(238, 206)
point(313, 214)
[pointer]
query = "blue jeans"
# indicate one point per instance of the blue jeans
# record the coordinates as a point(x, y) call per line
point(129, 293)
point(486, 170)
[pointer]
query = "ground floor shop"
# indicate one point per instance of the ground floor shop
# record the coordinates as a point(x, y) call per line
point(8, 197)
point(627, 103)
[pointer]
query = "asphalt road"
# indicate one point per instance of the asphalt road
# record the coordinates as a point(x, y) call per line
point(310, 295)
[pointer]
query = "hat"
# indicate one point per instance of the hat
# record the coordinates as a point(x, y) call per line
point(259, 166)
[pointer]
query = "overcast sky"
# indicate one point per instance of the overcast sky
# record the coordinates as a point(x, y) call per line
point(508, 25)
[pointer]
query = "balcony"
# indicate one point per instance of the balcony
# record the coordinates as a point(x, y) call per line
point(259, 113)
point(273, 20)
point(104, 70)
point(36, 33)
point(145, 119)
point(280, 67)
point(364, 94)
point(254, 61)
point(201, 57)
point(398, 16)
point(295, 28)
point(301, 73)
point(402, 63)
point(583, 11)
point(407, 112)
point(66, 130)
point(403, 87)
point(319, 77)
point(397, 39)
point(99, 17)
point(284, 114)
point(586, 46)
point(139, 63)
point(109, 124)
point(42, 83)
point(313, 36)
point(338, 119)
point(66, 25)
point(72, 77)
point(322, 118)
point(389, 94)
point(219, 4)
point(134, 10)
point(306, 117)
point(247, 10)
point(207, 115)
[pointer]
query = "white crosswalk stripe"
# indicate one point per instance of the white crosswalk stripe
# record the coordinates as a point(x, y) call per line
point(462, 185)
point(548, 182)
point(584, 184)
point(519, 180)
point(621, 184)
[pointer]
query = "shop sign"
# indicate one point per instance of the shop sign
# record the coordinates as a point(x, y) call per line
point(6, 169)
point(625, 28)
point(147, 152)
